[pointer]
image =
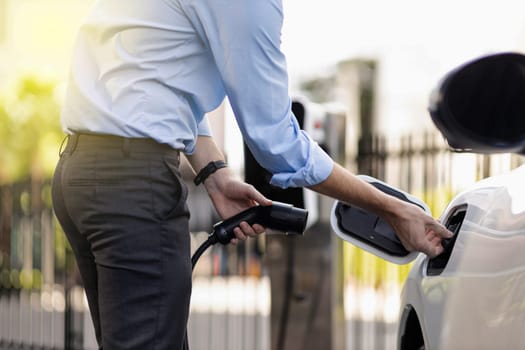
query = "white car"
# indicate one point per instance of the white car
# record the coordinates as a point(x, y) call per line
point(473, 295)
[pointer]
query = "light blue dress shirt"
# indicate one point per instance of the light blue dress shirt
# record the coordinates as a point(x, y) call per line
point(153, 68)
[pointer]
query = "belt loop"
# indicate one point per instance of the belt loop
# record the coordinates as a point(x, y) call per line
point(73, 139)
point(63, 146)
point(126, 147)
point(68, 145)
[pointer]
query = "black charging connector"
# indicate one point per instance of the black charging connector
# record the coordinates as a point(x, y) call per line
point(278, 216)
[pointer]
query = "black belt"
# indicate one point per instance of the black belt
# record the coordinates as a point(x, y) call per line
point(105, 142)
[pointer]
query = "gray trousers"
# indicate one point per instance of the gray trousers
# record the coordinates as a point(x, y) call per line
point(122, 205)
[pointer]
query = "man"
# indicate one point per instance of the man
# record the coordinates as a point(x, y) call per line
point(143, 75)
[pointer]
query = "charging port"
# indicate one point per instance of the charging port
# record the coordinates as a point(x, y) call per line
point(437, 265)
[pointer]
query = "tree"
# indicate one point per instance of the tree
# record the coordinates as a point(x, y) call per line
point(30, 131)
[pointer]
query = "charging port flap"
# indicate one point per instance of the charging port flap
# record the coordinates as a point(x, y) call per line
point(370, 232)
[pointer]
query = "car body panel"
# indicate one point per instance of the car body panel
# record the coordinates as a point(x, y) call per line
point(478, 300)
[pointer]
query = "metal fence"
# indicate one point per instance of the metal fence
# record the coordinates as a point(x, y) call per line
point(34, 270)
point(424, 166)
point(42, 304)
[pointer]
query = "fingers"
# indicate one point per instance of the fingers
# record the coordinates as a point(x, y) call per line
point(257, 196)
point(239, 234)
point(434, 235)
point(439, 229)
point(434, 248)
point(246, 230)
point(258, 229)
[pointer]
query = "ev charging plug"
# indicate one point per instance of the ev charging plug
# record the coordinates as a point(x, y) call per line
point(278, 216)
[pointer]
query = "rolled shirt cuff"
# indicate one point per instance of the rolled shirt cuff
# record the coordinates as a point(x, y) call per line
point(317, 169)
point(203, 128)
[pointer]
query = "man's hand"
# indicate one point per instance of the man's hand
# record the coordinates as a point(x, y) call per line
point(417, 230)
point(231, 196)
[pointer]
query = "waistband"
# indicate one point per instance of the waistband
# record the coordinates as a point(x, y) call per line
point(82, 141)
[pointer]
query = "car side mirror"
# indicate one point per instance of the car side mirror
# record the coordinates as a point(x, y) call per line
point(480, 106)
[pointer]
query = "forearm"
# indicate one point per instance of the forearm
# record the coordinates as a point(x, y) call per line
point(341, 184)
point(206, 151)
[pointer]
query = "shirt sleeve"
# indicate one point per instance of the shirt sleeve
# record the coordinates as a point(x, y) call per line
point(244, 37)
point(203, 128)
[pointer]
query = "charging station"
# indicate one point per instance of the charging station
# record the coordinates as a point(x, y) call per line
point(306, 271)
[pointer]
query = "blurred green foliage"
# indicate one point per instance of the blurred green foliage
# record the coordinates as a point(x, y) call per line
point(30, 132)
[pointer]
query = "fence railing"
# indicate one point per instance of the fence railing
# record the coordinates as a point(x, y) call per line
point(34, 270)
point(42, 304)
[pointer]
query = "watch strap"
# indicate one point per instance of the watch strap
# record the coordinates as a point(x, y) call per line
point(209, 169)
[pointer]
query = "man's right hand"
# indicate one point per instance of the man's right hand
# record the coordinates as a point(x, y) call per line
point(417, 230)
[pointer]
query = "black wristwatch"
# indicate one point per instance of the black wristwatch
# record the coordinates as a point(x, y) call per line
point(208, 170)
